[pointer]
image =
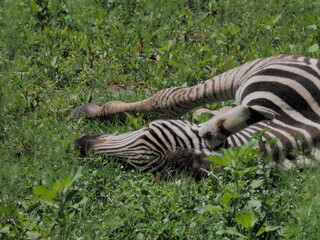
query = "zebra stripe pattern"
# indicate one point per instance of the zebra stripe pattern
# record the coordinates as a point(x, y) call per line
point(291, 89)
point(283, 89)
point(155, 148)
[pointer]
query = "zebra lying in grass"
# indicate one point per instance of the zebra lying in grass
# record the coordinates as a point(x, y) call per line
point(281, 93)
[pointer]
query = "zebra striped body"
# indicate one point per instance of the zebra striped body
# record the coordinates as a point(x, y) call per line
point(286, 86)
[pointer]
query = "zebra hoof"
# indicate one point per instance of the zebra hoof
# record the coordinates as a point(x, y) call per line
point(89, 109)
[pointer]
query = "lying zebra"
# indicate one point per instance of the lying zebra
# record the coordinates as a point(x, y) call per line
point(281, 93)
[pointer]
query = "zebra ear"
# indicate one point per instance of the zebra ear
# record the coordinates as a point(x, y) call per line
point(259, 113)
point(238, 118)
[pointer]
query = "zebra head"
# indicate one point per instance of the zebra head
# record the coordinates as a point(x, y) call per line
point(224, 124)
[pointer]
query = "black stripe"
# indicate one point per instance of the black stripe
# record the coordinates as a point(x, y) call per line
point(140, 161)
point(241, 133)
point(307, 60)
point(305, 68)
point(159, 140)
point(255, 63)
point(147, 139)
point(127, 145)
point(163, 133)
point(247, 131)
point(206, 98)
point(223, 90)
point(292, 132)
point(232, 90)
point(237, 136)
point(287, 94)
point(173, 134)
point(179, 106)
point(233, 142)
point(222, 130)
point(318, 64)
point(305, 82)
point(255, 117)
point(166, 96)
point(287, 145)
point(283, 117)
point(275, 151)
point(196, 133)
point(185, 134)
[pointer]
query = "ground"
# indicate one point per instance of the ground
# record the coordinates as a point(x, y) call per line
point(57, 55)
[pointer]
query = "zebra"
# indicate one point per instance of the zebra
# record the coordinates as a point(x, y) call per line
point(280, 93)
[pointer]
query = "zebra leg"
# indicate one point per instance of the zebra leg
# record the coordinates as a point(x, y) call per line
point(232, 121)
point(170, 102)
point(109, 110)
point(167, 103)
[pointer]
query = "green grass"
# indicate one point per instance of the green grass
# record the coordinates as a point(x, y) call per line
point(56, 55)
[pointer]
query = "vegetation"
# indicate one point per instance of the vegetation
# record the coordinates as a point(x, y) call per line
point(56, 55)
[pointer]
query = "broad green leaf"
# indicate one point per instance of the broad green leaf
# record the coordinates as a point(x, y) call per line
point(313, 48)
point(209, 208)
point(74, 176)
point(312, 26)
point(251, 145)
point(254, 204)
point(203, 117)
point(48, 179)
point(5, 230)
point(256, 183)
point(57, 186)
point(270, 228)
point(33, 235)
point(218, 160)
point(234, 30)
point(247, 219)
point(260, 231)
point(267, 228)
point(246, 170)
point(46, 194)
point(226, 198)
point(140, 236)
point(232, 231)
point(77, 205)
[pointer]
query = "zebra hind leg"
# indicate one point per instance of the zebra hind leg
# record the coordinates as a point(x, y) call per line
point(108, 111)
point(89, 109)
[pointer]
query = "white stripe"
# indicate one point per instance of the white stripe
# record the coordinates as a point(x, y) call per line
point(282, 105)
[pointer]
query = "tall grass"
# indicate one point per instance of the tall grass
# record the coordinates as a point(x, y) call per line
point(56, 55)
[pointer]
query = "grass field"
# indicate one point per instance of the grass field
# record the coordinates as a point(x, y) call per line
point(56, 55)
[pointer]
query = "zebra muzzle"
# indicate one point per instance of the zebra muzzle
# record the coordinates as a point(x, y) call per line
point(86, 143)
